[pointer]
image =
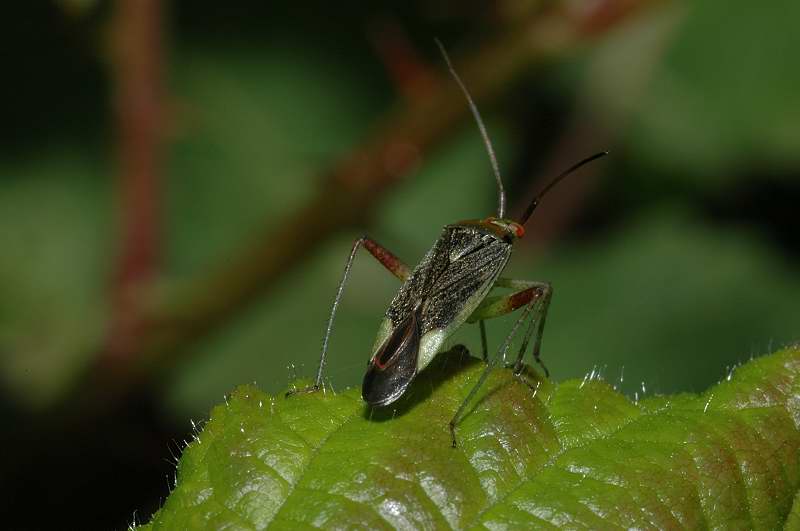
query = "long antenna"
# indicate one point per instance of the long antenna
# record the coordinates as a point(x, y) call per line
point(501, 199)
point(555, 181)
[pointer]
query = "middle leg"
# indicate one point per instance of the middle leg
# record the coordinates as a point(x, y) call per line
point(534, 298)
point(529, 293)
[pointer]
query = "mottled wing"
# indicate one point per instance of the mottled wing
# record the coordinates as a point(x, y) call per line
point(463, 263)
point(474, 262)
point(441, 293)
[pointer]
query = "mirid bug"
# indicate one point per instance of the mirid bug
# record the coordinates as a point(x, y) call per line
point(448, 288)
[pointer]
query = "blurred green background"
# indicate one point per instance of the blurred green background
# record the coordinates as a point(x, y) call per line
point(673, 260)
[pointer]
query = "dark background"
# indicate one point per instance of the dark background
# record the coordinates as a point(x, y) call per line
point(175, 213)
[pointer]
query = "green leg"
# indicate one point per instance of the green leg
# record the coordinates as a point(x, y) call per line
point(484, 342)
point(529, 293)
point(534, 298)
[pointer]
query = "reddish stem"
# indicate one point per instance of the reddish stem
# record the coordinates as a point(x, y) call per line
point(410, 74)
point(138, 103)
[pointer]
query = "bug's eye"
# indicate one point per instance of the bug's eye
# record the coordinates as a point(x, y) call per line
point(518, 229)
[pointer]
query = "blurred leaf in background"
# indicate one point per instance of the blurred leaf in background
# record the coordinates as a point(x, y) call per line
point(725, 96)
point(56, 236)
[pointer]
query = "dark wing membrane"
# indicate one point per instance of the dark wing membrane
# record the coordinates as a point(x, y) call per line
point(461, 261)
point(394, 366)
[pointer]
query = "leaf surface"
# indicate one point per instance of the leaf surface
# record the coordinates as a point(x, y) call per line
point(531, 454)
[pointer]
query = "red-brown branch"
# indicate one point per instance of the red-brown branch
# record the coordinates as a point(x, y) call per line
point(138, 67)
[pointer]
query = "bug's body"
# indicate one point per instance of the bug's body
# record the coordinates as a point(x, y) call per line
point(446, 289)
point(442, 291)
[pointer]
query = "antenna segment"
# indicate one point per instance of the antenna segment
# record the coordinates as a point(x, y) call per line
point(501, 193)
point(555, 181)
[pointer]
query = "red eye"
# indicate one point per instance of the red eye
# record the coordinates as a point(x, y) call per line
point(519, 230)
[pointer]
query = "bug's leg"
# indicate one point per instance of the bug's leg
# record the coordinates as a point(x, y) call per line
point(541, 303)
point(388, 260)
point(501, 354)
point(529, 293)
point(484, 342)
point(534, 298)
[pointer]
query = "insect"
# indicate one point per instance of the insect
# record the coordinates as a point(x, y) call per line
point(448, 288)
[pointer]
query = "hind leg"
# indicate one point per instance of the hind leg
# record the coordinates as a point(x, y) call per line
point(388, 260)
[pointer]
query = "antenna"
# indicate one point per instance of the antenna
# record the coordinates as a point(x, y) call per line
point(555, 181)
point(501, 193)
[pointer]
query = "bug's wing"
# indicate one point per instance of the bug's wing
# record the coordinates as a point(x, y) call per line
point(394, 365)
point(440, 294)
point(475, 261)
point(463, 262)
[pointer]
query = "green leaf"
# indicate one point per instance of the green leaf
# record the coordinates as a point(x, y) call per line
point(710, 86)
point(53, 264)
point(531, 454)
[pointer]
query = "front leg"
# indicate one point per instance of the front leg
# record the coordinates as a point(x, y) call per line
point(388, 260)
point(534, 298)
point(501, 354)
point(529, 293)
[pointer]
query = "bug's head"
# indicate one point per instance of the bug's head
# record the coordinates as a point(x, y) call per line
point(507, 226)
point(507, 230)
